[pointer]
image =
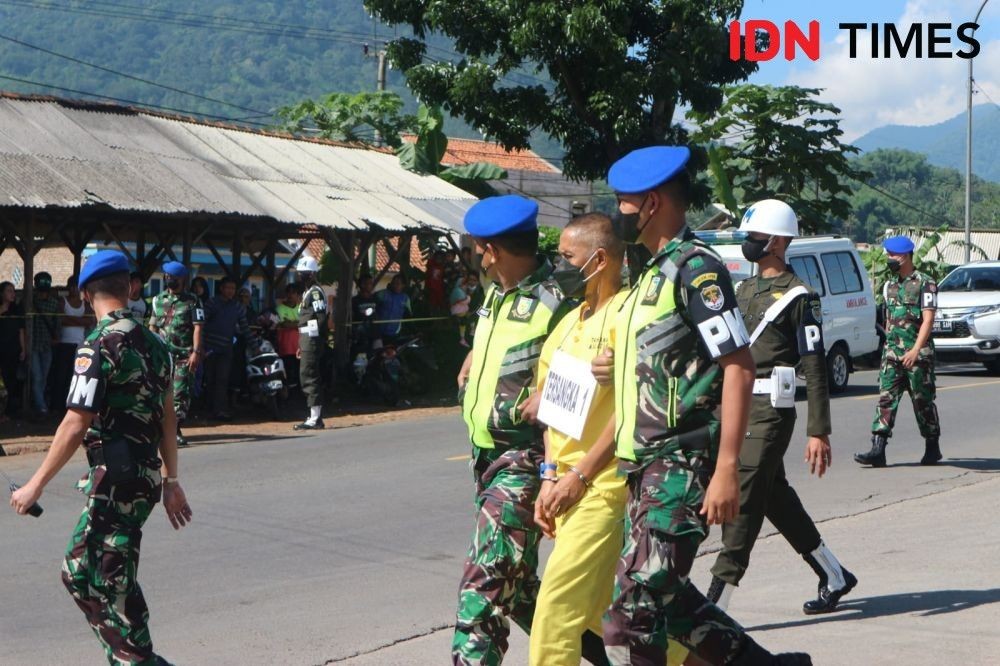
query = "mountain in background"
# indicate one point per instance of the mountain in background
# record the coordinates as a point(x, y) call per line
point(252, 56)
point(944, 143)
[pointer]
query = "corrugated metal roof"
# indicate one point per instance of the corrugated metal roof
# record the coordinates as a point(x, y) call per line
point(69, 154)
point(952, 244)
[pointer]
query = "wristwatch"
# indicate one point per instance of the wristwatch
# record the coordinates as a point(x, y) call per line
point(170, 479)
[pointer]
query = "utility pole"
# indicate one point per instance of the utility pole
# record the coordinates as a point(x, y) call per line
point(379, 79)
point(968, 154)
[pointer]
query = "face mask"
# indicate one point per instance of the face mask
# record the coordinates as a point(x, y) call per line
point(569, 278)
point(754, 250)
point(173, 284)
point(630, 224)
point(894, 265)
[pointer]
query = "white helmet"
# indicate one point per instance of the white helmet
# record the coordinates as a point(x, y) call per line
point(307, 265)
point(771, 217)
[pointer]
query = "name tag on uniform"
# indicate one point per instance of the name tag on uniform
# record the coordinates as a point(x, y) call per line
point(311, 329)
point(569, 390)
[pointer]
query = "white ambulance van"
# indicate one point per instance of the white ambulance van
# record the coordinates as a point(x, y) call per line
point(832, 266)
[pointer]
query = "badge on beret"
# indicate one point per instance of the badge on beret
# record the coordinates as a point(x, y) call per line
point(523, 308)
point(712, 297)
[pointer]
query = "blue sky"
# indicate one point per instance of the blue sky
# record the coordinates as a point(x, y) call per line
point(872, 93)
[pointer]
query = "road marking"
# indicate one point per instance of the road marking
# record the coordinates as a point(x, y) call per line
point(454, 458)
point(945, 388)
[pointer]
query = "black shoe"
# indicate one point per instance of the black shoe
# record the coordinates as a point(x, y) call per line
point(753, 654)
point(876, 456)
point(182, 442)
point(306, 425)
point(826, 601)
point(932, 452)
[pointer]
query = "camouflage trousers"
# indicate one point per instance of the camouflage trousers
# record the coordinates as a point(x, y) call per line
point(653, 596)
point(500, 577)
point(918, 381)
point(183, 378)
point(100, 569)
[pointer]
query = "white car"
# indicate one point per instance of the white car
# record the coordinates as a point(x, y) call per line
point(967, 324)
point(830, 265)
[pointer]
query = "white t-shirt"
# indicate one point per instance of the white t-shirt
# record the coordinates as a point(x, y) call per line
point(72, 334)
point(138, 307)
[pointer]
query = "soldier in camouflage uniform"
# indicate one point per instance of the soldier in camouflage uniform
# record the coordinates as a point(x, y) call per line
point(178, 316)
point(786, 320)
point(679, 349)
point(120, 409)
point(521, 308)
point(908, 355)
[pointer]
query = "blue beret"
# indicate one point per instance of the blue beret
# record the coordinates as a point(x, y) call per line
point(898, 245)
point(496, 216)
point(175, 268)
point(101, 264)
point(645, 168)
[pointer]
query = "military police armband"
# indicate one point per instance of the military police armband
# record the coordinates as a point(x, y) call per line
point(711, 306)
point(86, 389)
point(928, 296)
point(810, 333)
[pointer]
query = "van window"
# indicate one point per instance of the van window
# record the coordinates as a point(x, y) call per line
point(807, 270)
point(841, 272)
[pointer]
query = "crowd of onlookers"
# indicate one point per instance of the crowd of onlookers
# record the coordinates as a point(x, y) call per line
point(448, 298)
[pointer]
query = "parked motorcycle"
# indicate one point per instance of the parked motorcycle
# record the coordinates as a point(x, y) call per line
point(389, 370)
point(266, 375)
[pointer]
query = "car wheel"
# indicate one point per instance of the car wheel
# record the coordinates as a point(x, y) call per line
point(838, 369)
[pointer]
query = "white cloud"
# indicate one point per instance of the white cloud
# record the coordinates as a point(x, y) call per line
point(924, 91)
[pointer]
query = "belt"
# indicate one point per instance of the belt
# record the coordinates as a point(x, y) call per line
point(95, 454)
point(764, 386)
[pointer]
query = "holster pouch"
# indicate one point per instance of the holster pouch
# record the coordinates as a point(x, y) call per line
point(119, 461)
point(782, 387)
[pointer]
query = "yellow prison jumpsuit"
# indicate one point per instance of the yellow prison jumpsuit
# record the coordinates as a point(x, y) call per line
point(580, 574)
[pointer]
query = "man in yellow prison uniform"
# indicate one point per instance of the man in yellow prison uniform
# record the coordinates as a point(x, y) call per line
point(582, 500)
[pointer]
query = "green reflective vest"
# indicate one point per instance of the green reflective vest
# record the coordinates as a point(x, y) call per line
point(509, 335)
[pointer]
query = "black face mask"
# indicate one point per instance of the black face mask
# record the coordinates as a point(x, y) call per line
point(893, 265)
point(569, 278)
point(753, 250)
point(173, 285)
point(630, 224)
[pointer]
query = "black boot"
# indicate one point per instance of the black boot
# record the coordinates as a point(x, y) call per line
point(826, 600)
point(754, 655)
point(181, 439)
point(309, 425)
point(875, 457)
point(932, 452)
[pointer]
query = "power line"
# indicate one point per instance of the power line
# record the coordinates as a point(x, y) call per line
point(903, 203)
point(134, 78)
point(130, 101)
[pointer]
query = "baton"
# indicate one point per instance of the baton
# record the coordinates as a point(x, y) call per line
point(36, 508)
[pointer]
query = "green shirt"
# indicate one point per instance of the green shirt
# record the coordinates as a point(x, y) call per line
point(794, 338)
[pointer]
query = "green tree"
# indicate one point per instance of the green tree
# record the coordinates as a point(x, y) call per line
point(358, 118)
point(611, 72)
point(425, 154)
point(780, 143)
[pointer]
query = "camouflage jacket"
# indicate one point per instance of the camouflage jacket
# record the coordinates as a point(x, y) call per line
point(905, 300)
point(511, 330)
point(174, 317)
point(121, 374)
point(678, 319)
point(794, 338)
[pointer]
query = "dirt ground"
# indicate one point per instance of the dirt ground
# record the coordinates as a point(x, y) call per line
point(25, 436)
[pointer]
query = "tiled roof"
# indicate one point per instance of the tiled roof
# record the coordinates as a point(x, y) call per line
point(467, 151)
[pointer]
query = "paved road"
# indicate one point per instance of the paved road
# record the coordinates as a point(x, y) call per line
point(317, 549)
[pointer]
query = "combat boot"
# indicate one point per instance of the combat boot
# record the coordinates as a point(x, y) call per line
point(875, 457)
point(834, 581)
point(932, 452)
point(720, 592)
point(753, 654)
